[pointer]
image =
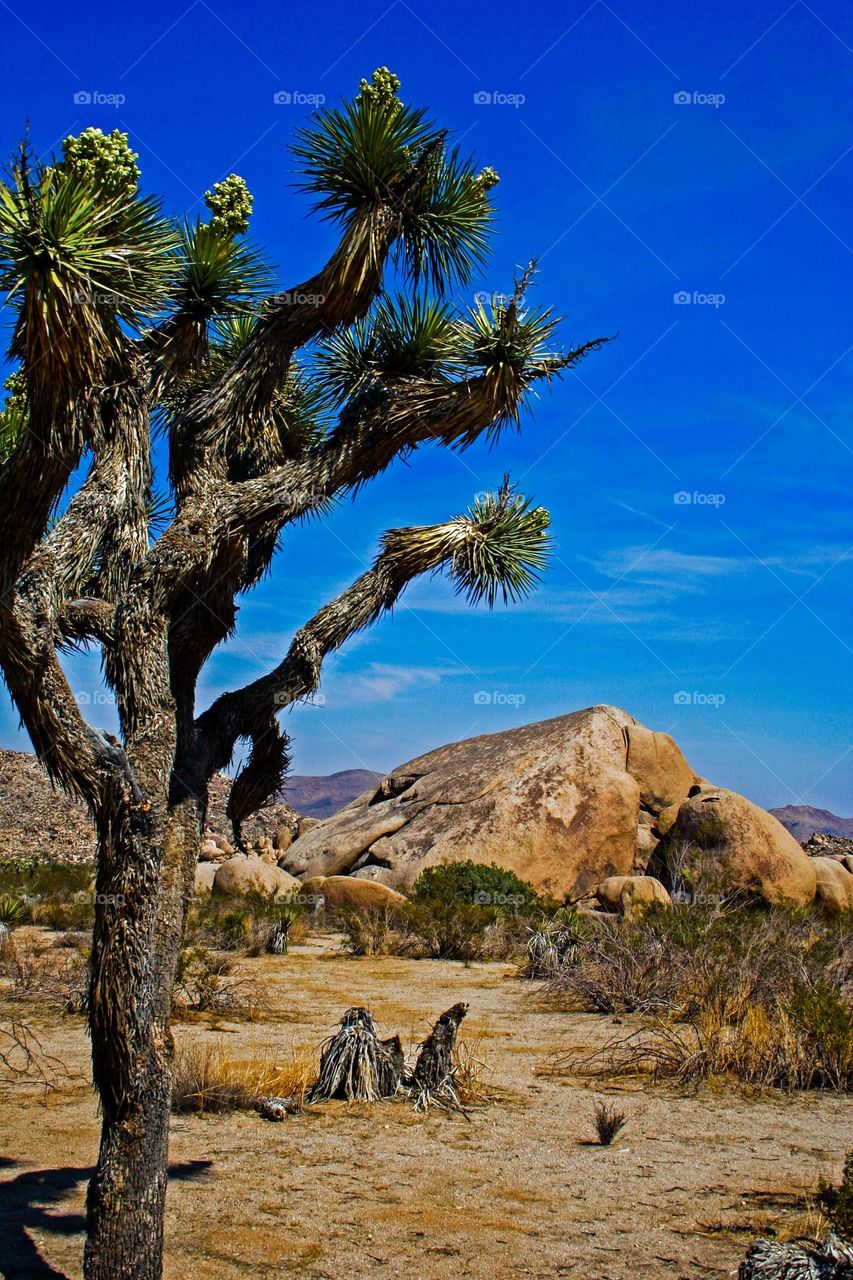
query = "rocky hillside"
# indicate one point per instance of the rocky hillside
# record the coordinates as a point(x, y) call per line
point(35, 819)
point(320, 797)
point(563, 803)
point(803, 821)
point(38, 821)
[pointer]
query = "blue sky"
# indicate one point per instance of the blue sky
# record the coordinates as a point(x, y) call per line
point(646, 152)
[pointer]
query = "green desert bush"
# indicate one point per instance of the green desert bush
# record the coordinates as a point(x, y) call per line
point(475, 883)
point(433, 929)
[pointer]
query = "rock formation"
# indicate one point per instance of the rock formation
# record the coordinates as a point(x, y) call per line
point(563, 803)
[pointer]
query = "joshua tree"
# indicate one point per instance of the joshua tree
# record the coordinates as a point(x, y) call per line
point(270, 406)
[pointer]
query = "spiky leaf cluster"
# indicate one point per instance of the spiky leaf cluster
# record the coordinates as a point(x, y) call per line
point(79, 263)
point(379, 160)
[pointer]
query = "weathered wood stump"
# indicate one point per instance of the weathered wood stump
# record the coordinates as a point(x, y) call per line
point(432, 1082)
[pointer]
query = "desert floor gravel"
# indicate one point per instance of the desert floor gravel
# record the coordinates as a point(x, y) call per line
point(521, 1188)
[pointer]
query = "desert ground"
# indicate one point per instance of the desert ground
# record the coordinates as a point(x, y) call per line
point(519, 1188)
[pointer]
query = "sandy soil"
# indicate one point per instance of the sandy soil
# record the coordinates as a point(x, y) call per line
point(520, 1189)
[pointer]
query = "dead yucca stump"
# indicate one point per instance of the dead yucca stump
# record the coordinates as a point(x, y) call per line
point(832, 1259)
point(433, 1080)
point(356, 1064)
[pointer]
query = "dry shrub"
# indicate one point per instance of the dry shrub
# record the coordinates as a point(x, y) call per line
point(434, 929)
point(203, 984)
point(208, 1079)
point(761, 996)
point(55, 977)
point(471, 1072)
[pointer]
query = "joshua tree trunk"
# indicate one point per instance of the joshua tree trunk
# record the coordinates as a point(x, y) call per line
point(147, 852)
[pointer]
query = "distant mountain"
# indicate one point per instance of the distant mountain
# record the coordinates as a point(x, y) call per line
point(320, 797)
point(803, 821)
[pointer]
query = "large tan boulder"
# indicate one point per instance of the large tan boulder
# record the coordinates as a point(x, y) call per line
point(746, 847)
point(240, 876)
point(834, 884)
point(639, 892)
point(351, 891)
point(557, 802)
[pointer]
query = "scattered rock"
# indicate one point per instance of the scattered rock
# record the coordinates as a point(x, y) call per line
point(829, 846)
point(283, 839)
point(210, 852)
point(609, 892)
point(306, 824)
point(639, 892)
point(834, 885)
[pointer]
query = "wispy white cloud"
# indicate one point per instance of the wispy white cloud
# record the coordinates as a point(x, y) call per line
point(382, 682)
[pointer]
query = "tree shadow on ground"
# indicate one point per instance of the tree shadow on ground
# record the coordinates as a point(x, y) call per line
point(26, 1203)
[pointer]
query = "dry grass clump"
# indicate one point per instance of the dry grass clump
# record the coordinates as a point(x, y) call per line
point(209, 1079)
point(376, 931)
point(609, 1122)
point(766, 997)
point(471, 1072)
point(250, 925)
